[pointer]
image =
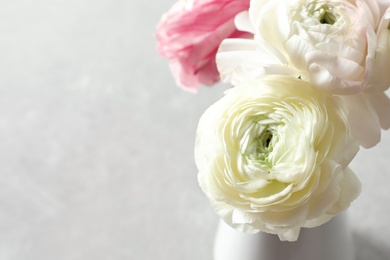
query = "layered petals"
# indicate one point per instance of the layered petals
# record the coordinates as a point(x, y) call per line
point(330, 43)
point(273, 156)
point(342, 47)
point(189, 36)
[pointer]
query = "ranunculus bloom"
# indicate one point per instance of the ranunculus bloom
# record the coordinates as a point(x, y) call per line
point(336, 45)
point(331, 43)
point(189, 36)
point(273, 156)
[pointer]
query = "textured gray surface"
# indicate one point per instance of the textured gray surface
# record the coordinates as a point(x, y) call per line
point(96, 141)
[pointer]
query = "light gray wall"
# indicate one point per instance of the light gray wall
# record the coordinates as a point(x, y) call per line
point(96, 141)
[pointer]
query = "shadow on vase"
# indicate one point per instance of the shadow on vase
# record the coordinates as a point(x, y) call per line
point(366, 248)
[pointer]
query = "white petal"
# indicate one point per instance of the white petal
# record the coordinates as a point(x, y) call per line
point(255, 8)
point(280, 69)
point(350, 190)
point(339, 67)
point(290, 235)
point(317, 221)
point(381, 103)
point(242, 217)
point(297, 49)
point(321, 203)
point(383, 5)
point(252, 186)
point(232, 45)
point(343, 51)
point(243, 22)
point(379, 77)
point(322, 78)
point(371, 10)
point(364, 121)
point(239, 60)
point(271, 30)
point(234, 53)
point(277, 197)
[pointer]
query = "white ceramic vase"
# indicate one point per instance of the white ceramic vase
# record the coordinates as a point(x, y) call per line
point(331, 241)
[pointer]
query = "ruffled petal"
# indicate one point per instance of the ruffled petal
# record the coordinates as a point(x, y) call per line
point(381, 104)
point(350, 190)
point(339, 67)
point(379, 79)
point(363, 119)
point(322, 78)
point(383, 5)
point(297, 48)
point(236, 62)
point(243, 22)
point(289, 235)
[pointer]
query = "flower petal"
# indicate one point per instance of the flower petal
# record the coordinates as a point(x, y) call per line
point(381, 104)
point(379, 79)
point(350, 189)
point(243, 22)
point(290, 235)
point(364, 121)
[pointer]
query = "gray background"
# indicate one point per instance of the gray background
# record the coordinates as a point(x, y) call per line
point(96, 141)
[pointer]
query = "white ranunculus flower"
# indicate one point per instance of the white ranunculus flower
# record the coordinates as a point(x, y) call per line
point(331, 43)
point(273, 156)
point(343, 56)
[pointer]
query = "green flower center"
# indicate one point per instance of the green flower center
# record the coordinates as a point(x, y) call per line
point(260, 145)
point(263, 143)
point(324, 14)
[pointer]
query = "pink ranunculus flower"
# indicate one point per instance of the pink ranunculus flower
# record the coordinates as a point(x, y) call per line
point(189, 35)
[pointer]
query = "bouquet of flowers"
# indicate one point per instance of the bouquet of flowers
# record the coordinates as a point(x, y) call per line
point(308, 90)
